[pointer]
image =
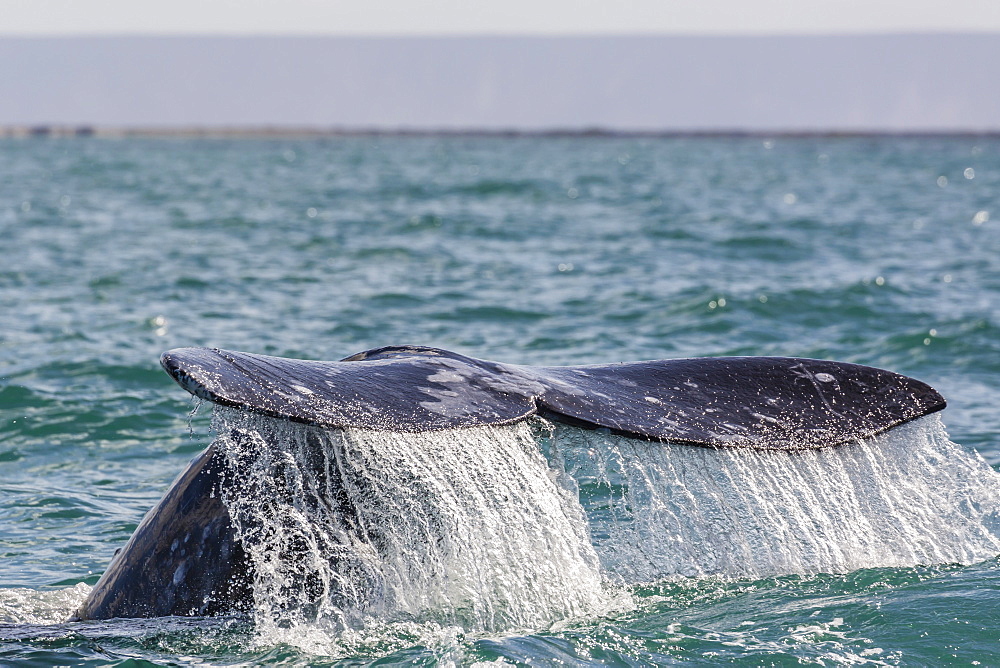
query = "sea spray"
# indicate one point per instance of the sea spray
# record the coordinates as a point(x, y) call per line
point(478, 530)
point(19, 605)
point(468, 527)
point(904, 498)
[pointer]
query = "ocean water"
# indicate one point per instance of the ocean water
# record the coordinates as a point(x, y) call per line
point(537, 250)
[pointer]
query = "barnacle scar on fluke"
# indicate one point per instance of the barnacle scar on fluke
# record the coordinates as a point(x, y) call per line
point(186, 559)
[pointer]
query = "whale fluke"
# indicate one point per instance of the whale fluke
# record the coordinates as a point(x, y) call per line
point(186, 557)
point(758, 402)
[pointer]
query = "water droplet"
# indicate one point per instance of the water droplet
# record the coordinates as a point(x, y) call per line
point(768, 144)
point(790, 198)
point(980, 217)
point(26, 206)
point(969, 173)
point(311, 212)
point(762, 299)
point(942, 181)
point(946, 278)
point(933, 332)
point(572, 193)
point(566, 266)
point(879, 280)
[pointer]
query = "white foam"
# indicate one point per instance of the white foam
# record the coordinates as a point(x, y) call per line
point(19, 605)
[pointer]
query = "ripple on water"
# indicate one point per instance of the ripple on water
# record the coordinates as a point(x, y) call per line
point(285, 247)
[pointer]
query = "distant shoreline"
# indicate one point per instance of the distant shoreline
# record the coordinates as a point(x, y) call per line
point(501, 86)
point(291, 132)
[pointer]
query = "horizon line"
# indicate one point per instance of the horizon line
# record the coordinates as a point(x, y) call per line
point(507, 34)
point(279, 131)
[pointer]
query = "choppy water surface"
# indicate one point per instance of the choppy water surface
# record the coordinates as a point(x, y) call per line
point(881, 251)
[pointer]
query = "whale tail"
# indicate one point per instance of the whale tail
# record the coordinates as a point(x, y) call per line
point(757, 402)
point(188, 556)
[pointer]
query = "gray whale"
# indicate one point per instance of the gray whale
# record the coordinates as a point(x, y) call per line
point(184, 558)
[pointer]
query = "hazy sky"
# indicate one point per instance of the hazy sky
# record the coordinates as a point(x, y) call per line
point(421, 17)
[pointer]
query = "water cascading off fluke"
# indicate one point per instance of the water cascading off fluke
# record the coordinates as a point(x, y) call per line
point(466, 527)
point(475, 527)
point(906, 497)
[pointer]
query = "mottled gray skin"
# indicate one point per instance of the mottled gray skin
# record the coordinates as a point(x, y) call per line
point(757, 402)
point(184, 559)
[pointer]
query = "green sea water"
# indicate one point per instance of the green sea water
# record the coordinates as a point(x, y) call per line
point(876, 250)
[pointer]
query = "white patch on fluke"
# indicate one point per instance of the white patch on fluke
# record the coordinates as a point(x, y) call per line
point(446, 376)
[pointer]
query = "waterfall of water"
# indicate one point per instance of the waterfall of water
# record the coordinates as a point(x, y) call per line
point(907, 497)
point(468, 527)
point(478, 528)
